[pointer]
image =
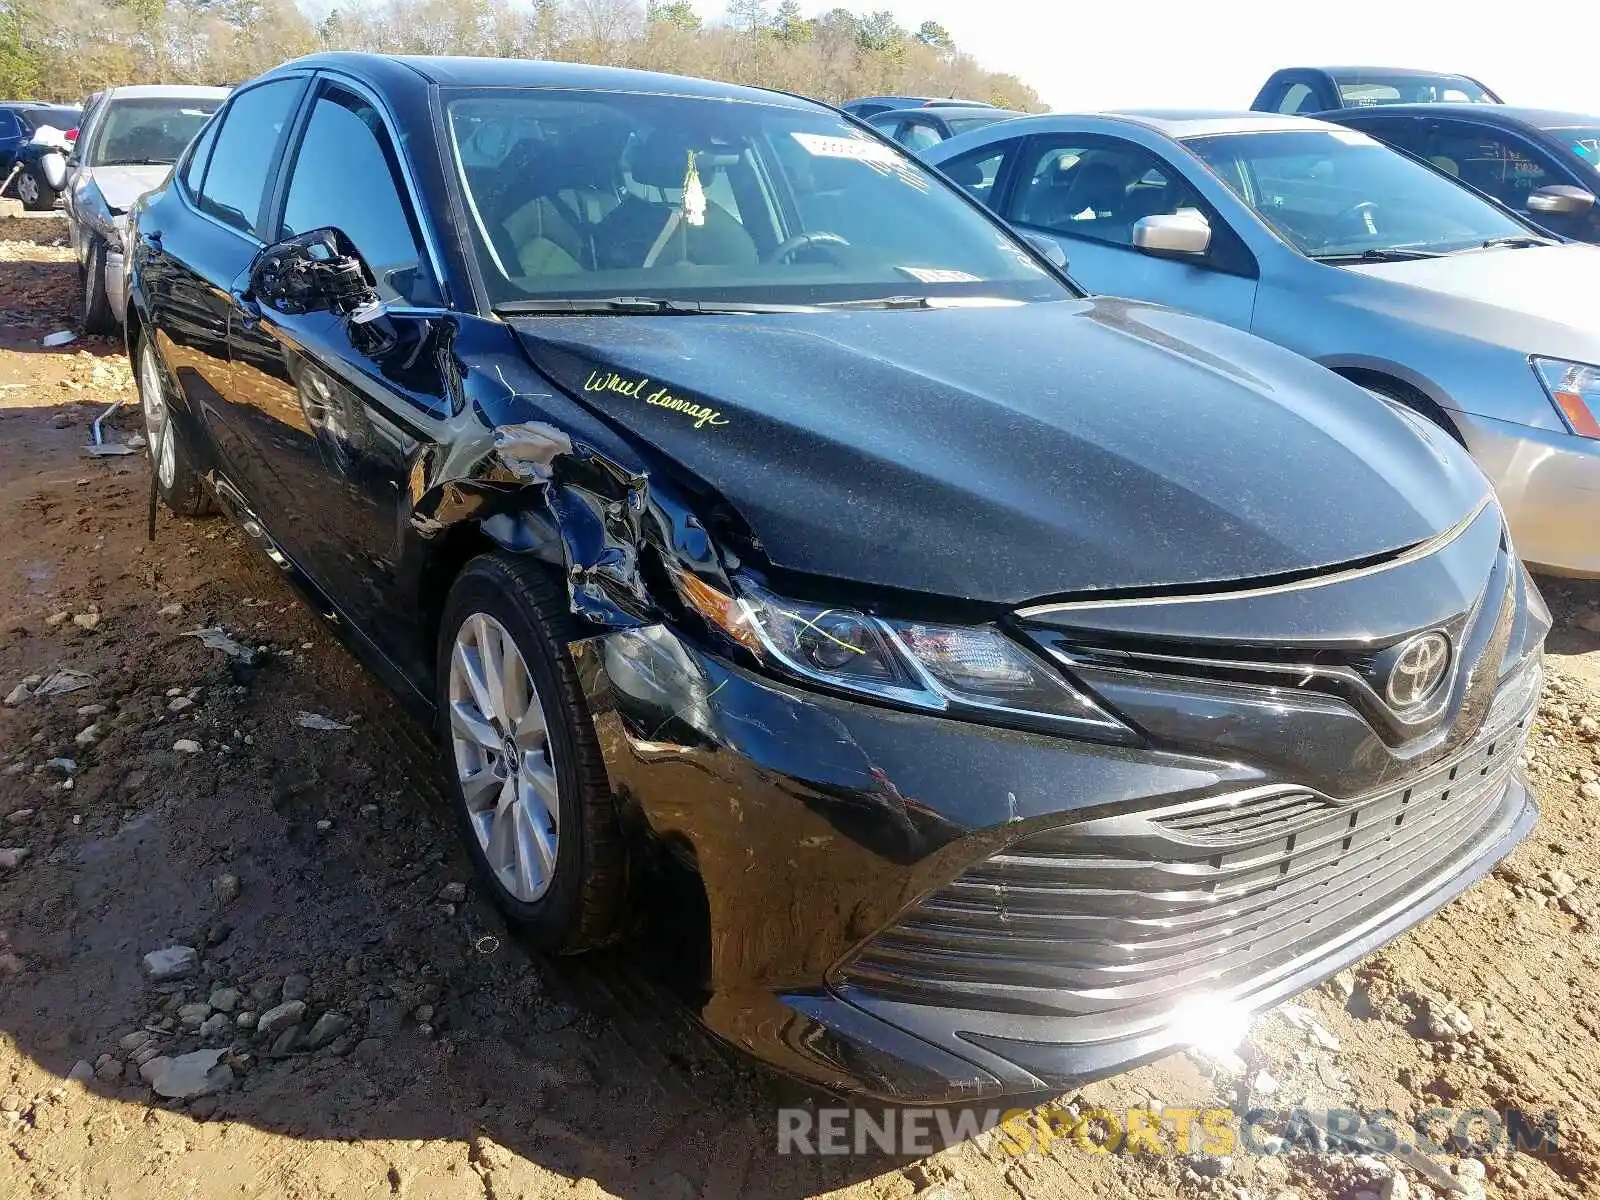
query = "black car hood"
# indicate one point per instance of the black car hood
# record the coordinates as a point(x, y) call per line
point(1012, 454)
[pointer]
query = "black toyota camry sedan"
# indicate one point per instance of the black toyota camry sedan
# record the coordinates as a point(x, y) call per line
point(1013, 679)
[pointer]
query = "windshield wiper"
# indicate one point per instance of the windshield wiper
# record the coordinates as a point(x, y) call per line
point(1392, 254)
point(646, 305)
point(882, 302)
point(137, 162)
point(1513, 241)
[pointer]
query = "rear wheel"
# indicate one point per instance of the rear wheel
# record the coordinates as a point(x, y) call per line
point(97, 314)
point(36, 194)
point(520, 750)
point(178, 484)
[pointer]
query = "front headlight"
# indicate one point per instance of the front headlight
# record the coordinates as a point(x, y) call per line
point(974, 670)
point(1574, 388)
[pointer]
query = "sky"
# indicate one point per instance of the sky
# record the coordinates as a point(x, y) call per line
point(1097, 54)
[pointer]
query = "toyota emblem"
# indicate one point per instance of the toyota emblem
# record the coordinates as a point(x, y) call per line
point(1419, 668)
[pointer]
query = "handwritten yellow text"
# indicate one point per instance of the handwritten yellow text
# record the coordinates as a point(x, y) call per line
point(637, 389)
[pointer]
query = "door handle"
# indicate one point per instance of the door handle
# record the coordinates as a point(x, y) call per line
point(249, 310)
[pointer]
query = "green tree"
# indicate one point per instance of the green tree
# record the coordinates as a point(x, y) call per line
point(679, 14)
point(748, 16)
point(880, 32)
point(931, 33)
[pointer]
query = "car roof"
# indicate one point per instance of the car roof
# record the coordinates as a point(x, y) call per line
point(164, 91)
point(390, 70)
point(1392, 72)
point(36, 105)
point(1488, 114)
point(946, 111)
point(1180, 123)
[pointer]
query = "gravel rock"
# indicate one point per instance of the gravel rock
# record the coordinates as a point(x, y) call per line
point(1590, 791)
point(225, 999)
point(225, 889)
point(11, 859)
point(186, 746)
point(1445, 1022)
point(279, 1018)
point(109, 1071)
point(198, 1073)
point(329, 1026)
point(216, 1027)
point(81, 1072)
point(192, 1016)
point(173, 962)
point(453, 893)
point(88, 735)
point(132, 1041)
point(246, 1020)
point(20, 816)
point(178, 703)
point(66, 766)
point(296, 987)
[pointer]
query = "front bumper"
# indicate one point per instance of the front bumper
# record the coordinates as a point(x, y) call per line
point(815, 829)
point(1548, 483)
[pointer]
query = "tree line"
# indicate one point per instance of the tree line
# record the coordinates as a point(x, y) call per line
point(66, 49)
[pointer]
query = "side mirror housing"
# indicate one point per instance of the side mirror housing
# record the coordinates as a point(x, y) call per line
point(312, 272)
point(1048, 247)
point(1172, 235)
point(1560, 200)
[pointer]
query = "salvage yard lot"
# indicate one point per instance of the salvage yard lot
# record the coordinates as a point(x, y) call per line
point(178, 798)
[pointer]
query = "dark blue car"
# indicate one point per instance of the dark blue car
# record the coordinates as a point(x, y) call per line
point(1544, 165)
point(18, 120)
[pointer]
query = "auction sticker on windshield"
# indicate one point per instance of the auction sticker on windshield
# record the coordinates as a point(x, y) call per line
point(823, 146)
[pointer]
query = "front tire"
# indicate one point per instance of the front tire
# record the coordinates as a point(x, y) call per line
point(177, 482)
point(34, 191)
point(520, 750)
point(97, 314)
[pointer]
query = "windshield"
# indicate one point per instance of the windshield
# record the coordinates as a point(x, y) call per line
point(1362, 91)
point(577, 194)
point(1582, 141)
point(148, 130)
point(963, 124)
point(1336, 193)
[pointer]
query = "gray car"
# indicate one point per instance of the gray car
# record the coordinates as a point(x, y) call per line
point(129, 139)
point(1368, 261)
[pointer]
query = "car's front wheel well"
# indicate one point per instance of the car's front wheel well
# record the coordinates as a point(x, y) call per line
point(1404, 393)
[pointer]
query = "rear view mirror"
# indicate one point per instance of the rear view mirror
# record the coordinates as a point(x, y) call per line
point(314, 272)
point(1560, 200)
point(1175, 235)
point(1048, 247)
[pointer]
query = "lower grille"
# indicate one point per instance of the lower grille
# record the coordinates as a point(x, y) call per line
point(1109, 922)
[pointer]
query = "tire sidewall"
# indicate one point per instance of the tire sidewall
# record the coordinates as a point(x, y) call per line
point(488, 588)
point(186, 496)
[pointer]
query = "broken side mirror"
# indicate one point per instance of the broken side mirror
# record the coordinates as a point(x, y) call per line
point(319, 271)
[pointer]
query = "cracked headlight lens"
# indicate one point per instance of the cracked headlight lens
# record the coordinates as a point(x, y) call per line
point(972, 669)
point(1574, 388)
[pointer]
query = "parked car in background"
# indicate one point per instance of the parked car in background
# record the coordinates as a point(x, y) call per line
point(129, 140)
point(918, 128)
point(777, 530)
point(19, 119)
point(1364, 259)
point(1545, 165)
point(1305, 90)
point(869, 106)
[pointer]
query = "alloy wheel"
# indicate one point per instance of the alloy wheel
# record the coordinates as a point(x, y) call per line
point(503, 757)
point(154, 402)
point(27, 188)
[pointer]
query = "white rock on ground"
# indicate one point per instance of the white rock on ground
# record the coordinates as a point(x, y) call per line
point(172, 962)
point(198, 1073)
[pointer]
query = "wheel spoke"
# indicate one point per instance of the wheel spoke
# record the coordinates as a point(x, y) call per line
point(470, 664)
point(542, 791)
point(536, 852)
point(466, 723)
point(501, 850)
point(532, 732)
point(516, 690)
point(479, 788)
point(491, 657)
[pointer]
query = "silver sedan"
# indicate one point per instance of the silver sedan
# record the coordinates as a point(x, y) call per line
point(1327, 242)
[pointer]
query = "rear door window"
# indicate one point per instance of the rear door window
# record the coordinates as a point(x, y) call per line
point(244, 152)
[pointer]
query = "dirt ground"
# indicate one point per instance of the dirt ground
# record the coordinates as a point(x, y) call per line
point(424, 1053)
